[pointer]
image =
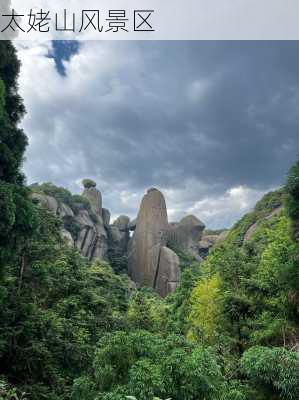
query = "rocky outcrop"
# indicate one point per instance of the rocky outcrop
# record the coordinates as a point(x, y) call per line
point(168, 273)
point(206, 243)
point(106, 217)
point(85, 228)
point(66, 235)
point(250, 231)
point(187, 234)
point(151, 263)
point(86, 225)
point(64, 211)
point(119, 236)
point(93, 195)
point(122, 223)
point(132, 225)
point(48, 202)
point(149, 236)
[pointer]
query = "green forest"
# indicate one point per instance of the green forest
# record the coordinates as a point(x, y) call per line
point(71, 329)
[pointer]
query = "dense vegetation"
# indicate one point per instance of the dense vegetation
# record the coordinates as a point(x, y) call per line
point(74, 330)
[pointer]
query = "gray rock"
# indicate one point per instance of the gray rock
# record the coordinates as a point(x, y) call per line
point(92, 241)
point(206, 243)
point(118, 240)
point(132, 225)
point(66, 235)
point(106, 217)
point(93, 195)
point(186, 235)
point(169, 272)
point(48, 202)
point(83, 219)
point(64, 211)
point(122, 223)
point(100, 249)
point(150, 235)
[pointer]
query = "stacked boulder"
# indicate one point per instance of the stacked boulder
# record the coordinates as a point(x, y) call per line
point(187, 234)
point(93, 238)
point(119, 235)
point(94, 235)
point(148, 253)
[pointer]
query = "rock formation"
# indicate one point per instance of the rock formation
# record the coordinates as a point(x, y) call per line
point(86, 225)
point(147, 260)
point(93, 195)
point(106, 217)
point(169, 272)
point(187, 234)
point(119, 235)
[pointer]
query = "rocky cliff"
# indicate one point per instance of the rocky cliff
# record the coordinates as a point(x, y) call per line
point(147, 255)
point(86, 224)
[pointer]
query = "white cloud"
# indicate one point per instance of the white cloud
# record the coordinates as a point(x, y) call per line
point(218, 212)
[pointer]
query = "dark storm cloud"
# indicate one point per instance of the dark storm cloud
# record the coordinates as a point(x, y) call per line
point(63, 50)
point(135, 115)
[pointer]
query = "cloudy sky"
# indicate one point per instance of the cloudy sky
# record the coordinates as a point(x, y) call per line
point(212, 124)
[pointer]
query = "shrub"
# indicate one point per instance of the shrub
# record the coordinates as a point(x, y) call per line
point(88, 183)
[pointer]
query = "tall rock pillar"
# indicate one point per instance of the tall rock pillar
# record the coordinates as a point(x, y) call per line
point(150, 235)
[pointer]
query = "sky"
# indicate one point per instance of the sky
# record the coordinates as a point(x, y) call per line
point(213, 125)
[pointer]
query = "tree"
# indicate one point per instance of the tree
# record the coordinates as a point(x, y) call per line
point(206, 309)
point(292, 197)
point(12, 139)
point(18, 217)
point(147, 365)
point(275, 370)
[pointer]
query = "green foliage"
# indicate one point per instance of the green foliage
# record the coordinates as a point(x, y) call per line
point(292, 197)
point(147, 311)
point(12, 139)
point(9, 392)
point(54, 308)
point(75, 202)
point(179, 301)
point(206, 310)
point(276, 370)
point(17, 217)
point(18, 221)
point(83, 388)
point(264, 207)
point(252, 295)
point(147, 365)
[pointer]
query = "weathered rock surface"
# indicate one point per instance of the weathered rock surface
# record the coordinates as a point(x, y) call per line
point(66, 235)
point(122, 223)
point(106, 217)
point(186, 234)
point(149, 236)
point(132, 225)
point(168, 273)
point(206, 243)
point(118, 240)
point(93, 195)
point(64, 211)
point(92, 233)
point(150, 261)
point(47, 201)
